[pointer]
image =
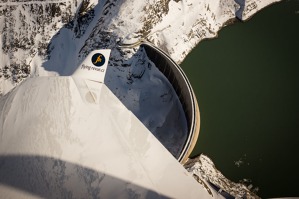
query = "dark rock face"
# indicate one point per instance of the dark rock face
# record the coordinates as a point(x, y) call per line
point(27, 28)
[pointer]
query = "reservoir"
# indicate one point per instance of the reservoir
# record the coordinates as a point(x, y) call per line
point(247, 86)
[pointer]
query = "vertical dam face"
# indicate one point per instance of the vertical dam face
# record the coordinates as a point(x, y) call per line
point(184, 91)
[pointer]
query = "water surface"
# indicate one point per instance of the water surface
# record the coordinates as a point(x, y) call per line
point(247, 85)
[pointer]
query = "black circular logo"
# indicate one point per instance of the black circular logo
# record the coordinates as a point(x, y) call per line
point(98, 59)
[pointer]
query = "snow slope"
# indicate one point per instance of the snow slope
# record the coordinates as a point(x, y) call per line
point(37, 34)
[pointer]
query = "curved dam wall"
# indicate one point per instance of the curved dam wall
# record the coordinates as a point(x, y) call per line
point(184, 91)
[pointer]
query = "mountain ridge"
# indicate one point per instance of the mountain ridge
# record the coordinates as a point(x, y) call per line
point(29, 27)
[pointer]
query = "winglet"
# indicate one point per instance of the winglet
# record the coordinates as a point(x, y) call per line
point(94, 66)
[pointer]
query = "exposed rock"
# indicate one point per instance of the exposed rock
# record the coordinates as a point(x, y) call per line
point(204, 170)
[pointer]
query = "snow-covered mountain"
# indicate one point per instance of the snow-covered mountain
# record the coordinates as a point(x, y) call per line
point(52, 37)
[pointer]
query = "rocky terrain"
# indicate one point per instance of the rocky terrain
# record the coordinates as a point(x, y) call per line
point(30, 31)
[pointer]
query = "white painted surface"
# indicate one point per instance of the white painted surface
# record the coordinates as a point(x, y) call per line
point(59, 141)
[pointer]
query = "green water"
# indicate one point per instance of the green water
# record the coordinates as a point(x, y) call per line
point(247, 85)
